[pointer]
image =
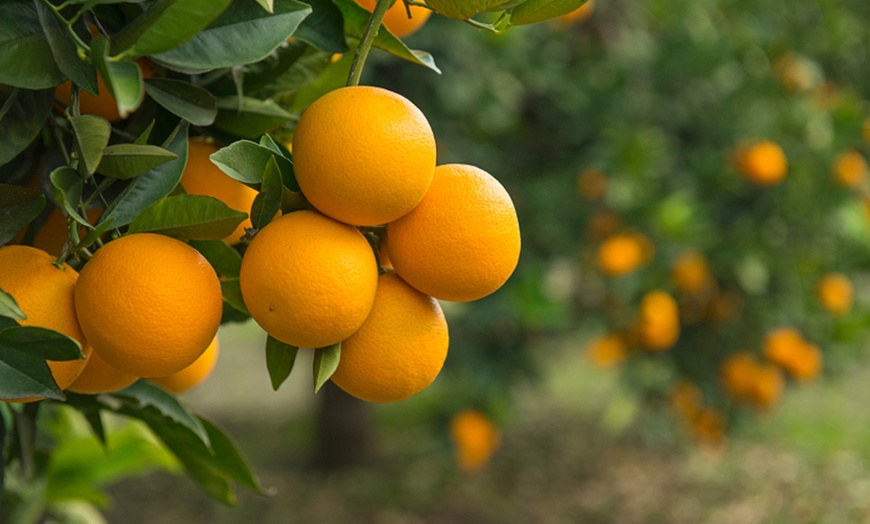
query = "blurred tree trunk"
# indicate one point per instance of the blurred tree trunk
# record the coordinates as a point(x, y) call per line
point(344, 430)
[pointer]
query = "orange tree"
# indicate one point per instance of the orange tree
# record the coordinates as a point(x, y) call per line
point(148, 193)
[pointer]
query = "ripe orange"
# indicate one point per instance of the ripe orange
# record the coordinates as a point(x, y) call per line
point(738, 375)
point(787, 348)
point(607, 351)
point(101, 377)
point(850, 169)
point(363, 155)
point(623, 253)
point(149, 304)
point(476, 438)
point(836, 293)
point(578, 15)
point(768, 386)
point(691, 274)
point(192, 375)
point(396, 19)
point(659, 321)
point(202, 177)
point(763, 163)
point(400, 348)
point(104, 104)
point(463, 241)
point(308, 280)
point(45, 294)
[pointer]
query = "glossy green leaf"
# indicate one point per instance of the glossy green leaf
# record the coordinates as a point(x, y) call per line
point(324, 28)
point(193, 217)
point(64, 49)
point(268, 5)
point(153, 185)
point(145, 135)
point(224, 259)
point(268, 202)
point(9, 307)
point(248, 117)
point(18, 207)
point(41, 342)
point(355, 20)
point(232, 293)
point(332, 76)
point(131, 160)
point(67, 186)
point(23, 375)
point(244, 34)
point(306, 69)
point(92, 136)
point(167, 24)
point(22, 115)
point(26, 60)
point(280, 359)
point(146, 399)
point(465, 9)
point(246, 162)
point(535, 11)
point(325, 363)
point(124, 79)
point(190, 102)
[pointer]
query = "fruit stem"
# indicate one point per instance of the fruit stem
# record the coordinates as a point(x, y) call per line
point(365, 43)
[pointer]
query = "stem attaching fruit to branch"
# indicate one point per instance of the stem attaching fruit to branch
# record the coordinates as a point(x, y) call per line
point(365, 44)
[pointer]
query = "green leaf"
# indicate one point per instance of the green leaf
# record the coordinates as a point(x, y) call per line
point(280, 358)
point(232, 293)
point(268, 202)
point(465, 9)
point(144, 399)
point(333, 76)
point(244, 34)
point(22, 115)
point(64, 49)
point(192, 217)
point(91, 408)
point(325, 363)
point(9, 307)
point(92, 136)
point(41, 342)
point(89, 239)
point(355, 20)
point(167, 24)
point(224, 259)
point(67, 186)
point(124, 79)
point(308, 67)
point(152, 186)
point(229, 459)
point(247, 161)
point(18, 207)
point(143, 137)
point(324, 28)
point(248, 117)
point(131, 160)
point(23, 375)
point(535, 11)
point(268, 5)
point(190, 102)
point(26, 60)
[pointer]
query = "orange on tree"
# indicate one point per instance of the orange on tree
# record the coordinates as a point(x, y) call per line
point(607, 351)
point(658, 323)
point(396, 18)
point(308, 280)
point(788, 349)
point(476, 439)
point(45, 294)
point(768, 386)
point(101, 377)
point(850, 169)
point(691, 274)
point(463, 241)
point(104, 103)
point(763, 163)
point(363, 155)
point(623, 253)
point(400, 348)
point(149, 304)
point(836, 293)
point(738, 374)
point(202, 177)
point(194, 374)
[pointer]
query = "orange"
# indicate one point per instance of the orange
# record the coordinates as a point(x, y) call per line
point(768, 386)
point(691, 274)
point(592, 184)
point(659, 321)
point(202, 177)
point(363, 155)
point(101, 377)
point(836, 293)
point(787, 348)
point(738, 374)
point(463, 241)
point(400, 348)
point(396, 19)
point(53, 234)
point(623, 253)
point(607, 351)
point(578, 15)
point(45, 294)
point(384, 253)
point(104, 104)
point(149, 304)
point(192, 375)
point(850, 169)
point(308, 280)
point(763, 163)
point(476, 439)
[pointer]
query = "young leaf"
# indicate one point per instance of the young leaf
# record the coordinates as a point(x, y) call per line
point(224, 259)
point(324, 28)
point(268, 202)
point(246, 162)
point(280, 358)
point(9, 307)
point(131, 160)
point(188, 217)
point(92, 136)
point(67, 186)
point(40, 342)
point(64, 49)
point(26, 60)
point(535, 11)
point(18, 207)
point(190, 102)
point(244, 34)
point(325, 363)
point(22, 116)
point(23, 375)
point(152, 186)
point(124, 79)
point(232, 293)
point(249, 117)
point(144, 400)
